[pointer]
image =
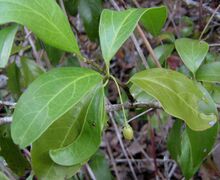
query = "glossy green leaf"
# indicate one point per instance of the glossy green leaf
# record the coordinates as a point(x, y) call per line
point(192, 52)
point(29, 71)
point(7, 36)
point(93, 118)
point(179, 96)
point(209, 72)
point(47, 99)
point(13, 75)
point(162, 53)
point(90, 11)
point(189, 148)
point(100, 166)
point(11, 153)
point(154, 19)
point(44, 18)
point(115, 27)
point(140, 95)
point(61, 133)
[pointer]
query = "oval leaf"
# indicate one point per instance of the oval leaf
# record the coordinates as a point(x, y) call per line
point(192, 52)
point(89, 139)
point(57, 137)
point(115, 27)
point(7, 36)
point(189, 148)
point(179, 96)
point(47, 99)
point(44, 18)
point(209, 72)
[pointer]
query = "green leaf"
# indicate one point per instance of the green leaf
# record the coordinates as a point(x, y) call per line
point(174, 139)
point(216, 94)
point(7, 36)
point(115, 27)
point(179, 96)
point(61, 133)
point(29, 71)
point(140, 95)
point(162, 53)
point(11, 153)
point(44, 18)
point(166, 37)
point(209, 72)
point(47, 99)
point(189, 148)
point(154, 19)
point(100, 166)
point(93, 119)
point(192, 52)
point(13, 75)
point(90, 11)
point(53, 54)
point(71, 6)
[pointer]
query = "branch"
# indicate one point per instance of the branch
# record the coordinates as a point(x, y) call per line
point(7, 103)
point(32, 44)
point(118, 107)
point(148, 46)
point(5, 120)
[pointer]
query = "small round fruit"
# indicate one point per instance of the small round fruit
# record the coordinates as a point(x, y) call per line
point(128, 132)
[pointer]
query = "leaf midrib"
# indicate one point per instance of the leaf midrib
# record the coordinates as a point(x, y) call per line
point(36, 12)
point(57, 94)
point(166, 87)
point(82, 129)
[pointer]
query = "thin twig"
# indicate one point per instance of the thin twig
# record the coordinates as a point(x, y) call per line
point(7, 103)
point(117, 107)
point(139, 115)
point(5, 120)
point(112, 159)
point(139, 50)
point(148, 46)
point(122, 145)
point(153, 148)
point(136, 3)
point(31, 42)
point(90, 172)
point(214, 44)
point(172, 170)
point(114, 107)
point(160, 161)
point(209, 21)
point(63, 7)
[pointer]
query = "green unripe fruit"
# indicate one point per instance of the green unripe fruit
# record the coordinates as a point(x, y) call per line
point(128, 132)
